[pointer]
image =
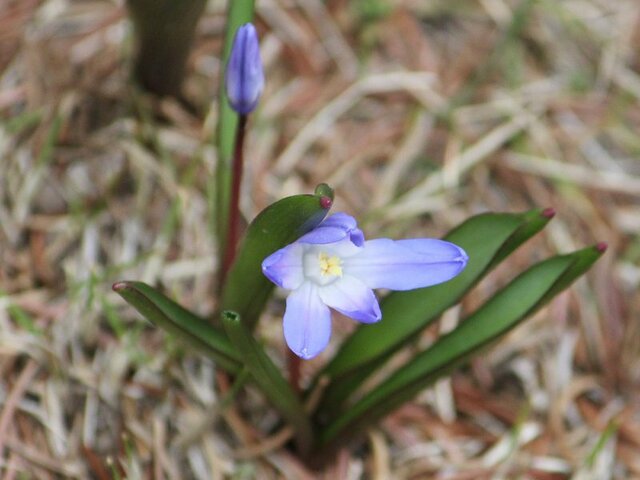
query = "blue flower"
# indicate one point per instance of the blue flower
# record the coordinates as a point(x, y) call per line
point(334, 267)
point(244, 78)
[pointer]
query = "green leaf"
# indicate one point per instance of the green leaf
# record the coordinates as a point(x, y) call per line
point(487, 239)
point(246, 289)
point(180, 322)
point(267, 376)
point(239, 12)
point(523, 296)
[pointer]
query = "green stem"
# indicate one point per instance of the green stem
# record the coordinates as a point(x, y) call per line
point(270, 381)
point(164, 31)
point(239, 12)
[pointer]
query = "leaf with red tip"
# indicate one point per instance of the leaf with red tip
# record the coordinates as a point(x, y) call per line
point(246, 289)
point(522, 297)
point(488, 239)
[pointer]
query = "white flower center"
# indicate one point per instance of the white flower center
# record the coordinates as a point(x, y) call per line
point(321, 267)
point(330, 265)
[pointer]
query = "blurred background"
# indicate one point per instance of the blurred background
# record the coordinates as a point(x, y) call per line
point(419, 113)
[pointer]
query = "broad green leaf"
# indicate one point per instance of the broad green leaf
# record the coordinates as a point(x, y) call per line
point(523, 296)
point(246, 289)
point(180, 322)
point(268, 377)
point(487, 239)
point(239, 12)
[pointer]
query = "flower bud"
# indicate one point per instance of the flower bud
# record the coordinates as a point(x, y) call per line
point(244, 77)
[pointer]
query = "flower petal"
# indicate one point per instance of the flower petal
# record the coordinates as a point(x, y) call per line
point(342, 220)
point(335, 228)
point(307, 322)
point(406, 264)
point(343, 249)
point(357, 237)
point(351, 297)
point(323, 234)
point(284, 267)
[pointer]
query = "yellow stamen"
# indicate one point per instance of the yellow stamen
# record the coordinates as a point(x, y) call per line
point(330, 265)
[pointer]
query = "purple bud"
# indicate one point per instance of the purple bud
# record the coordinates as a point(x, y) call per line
point(244, 77)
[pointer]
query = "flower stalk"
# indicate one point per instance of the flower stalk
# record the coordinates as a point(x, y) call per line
point(244, 81)
point(234, 205)
point(294, 362)
point(239, 12)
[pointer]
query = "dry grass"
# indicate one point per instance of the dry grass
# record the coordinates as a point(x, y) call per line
point(419, 117)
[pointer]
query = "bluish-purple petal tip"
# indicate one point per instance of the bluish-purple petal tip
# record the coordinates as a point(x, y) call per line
point(333, 229)
point(406, 264)
point(284, 267)
point(269, 268)
point(244, 79)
